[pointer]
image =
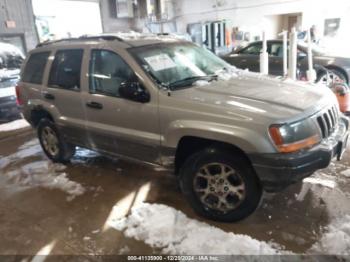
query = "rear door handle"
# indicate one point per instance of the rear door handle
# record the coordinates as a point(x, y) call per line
point(94, 105)
point(49, 96)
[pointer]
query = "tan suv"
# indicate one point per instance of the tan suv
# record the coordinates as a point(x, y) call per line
point(227, 134)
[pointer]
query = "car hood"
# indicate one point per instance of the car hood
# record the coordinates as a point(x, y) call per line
point(256, 94)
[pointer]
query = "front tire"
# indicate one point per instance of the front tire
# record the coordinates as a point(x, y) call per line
point(332, 76)
point(53, 143)
point(220, 185)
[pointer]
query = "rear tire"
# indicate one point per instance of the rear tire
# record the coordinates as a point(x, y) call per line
point(212, 192)
point(53, 143)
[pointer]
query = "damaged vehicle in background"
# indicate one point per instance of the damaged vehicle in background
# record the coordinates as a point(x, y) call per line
point(11, 59)
point(332, 71)
point(170, 103)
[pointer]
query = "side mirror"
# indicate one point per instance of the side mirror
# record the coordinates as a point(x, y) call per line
point(134, 91)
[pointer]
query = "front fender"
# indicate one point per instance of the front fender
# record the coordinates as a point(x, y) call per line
point(247, 139)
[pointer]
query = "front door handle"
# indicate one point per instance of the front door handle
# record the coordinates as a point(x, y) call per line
point(49, 96)
point(94, 105)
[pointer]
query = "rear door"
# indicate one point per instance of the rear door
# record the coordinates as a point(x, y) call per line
point(115, 124)
point(63, 92)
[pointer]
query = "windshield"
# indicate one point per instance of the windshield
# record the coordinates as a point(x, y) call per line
point(179, 65)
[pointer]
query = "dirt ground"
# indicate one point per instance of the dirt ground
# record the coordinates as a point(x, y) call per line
point(37, 217)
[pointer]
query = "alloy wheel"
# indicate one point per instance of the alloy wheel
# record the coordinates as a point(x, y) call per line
point(50, 141)
point(219, 187)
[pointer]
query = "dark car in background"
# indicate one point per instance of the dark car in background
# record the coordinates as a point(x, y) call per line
point(332, 71)
point(11, 59)
point(248, 58)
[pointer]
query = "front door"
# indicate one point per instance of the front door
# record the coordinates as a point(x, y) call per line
point(115, 124)
point(247, 58)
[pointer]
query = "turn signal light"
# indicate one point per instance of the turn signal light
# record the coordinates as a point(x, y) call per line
point(291, 147)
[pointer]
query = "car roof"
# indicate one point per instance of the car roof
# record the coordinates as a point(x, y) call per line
point(268, 41)
point(124, 40)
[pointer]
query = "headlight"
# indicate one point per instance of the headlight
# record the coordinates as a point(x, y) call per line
point(290, 138)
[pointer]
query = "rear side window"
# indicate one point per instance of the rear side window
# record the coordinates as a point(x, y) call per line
point(66, 68)
point(35, 67)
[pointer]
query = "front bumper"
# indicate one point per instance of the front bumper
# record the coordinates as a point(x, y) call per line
point(277, 171)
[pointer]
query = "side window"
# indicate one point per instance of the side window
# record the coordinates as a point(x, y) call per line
point(276, 49)
point(35, 67)
point(66, 69)
point(254, 49)
point(107, 72)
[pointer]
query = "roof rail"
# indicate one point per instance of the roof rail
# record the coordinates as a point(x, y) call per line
point(82, 38)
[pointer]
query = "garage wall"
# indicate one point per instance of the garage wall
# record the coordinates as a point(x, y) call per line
point(21, 12)
point(111, 23)
point(256, 15)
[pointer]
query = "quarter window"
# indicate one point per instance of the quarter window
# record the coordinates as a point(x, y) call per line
point(107, 72)
point(66, 69)
point(35, 67)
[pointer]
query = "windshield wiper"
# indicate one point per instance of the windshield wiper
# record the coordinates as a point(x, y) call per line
point(190, 80)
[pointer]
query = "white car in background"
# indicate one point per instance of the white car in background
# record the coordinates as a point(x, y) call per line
point(11, 59)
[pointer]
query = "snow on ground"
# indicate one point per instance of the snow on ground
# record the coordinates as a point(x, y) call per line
point(336, 240)
point(346, 173)
point(320, 181)
point(47, 175)
point(14, 125)
point(172, 232)
point(44, 174)
point(31, 148)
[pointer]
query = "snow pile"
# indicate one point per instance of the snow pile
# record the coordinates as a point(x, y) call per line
point(8, 49)
point(14, 125)
point(227, 73)
point(43, 173)
point(46, 175)
point(346, 173)
point(171, 231)
point(320, 181)
point(337, 239)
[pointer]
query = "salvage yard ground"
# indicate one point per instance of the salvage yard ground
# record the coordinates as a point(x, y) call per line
point(102, 206)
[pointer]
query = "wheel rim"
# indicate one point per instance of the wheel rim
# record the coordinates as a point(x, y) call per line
point(219, 187)
point(50, 141)
point(331, 78)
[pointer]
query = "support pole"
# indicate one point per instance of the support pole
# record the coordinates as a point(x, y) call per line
point(264, 57)
point(311, 73)
point(293, 53)
point(284, 34)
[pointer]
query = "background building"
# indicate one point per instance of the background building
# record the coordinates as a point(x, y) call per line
point(17, 24)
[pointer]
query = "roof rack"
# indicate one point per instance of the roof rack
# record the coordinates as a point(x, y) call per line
point(82, 38)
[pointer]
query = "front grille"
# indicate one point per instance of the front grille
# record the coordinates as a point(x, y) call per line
point(327, 121)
